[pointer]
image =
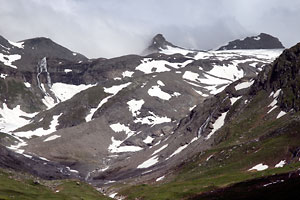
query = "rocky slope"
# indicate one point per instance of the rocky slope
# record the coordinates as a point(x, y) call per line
point(251, 135)
point(129, 119)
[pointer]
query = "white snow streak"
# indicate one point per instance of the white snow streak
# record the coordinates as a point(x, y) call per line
point(52, 137)
point(159, 150)
point(149, 162)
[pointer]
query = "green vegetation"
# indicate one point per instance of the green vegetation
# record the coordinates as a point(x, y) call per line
point(27, 189)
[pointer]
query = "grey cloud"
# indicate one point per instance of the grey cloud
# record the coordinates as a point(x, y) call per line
point(99, 28)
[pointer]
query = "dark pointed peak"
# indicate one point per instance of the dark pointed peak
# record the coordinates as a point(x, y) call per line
point(261, 41)
point(158, 43)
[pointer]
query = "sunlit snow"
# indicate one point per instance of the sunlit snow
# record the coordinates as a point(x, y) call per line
point(12, 119)
point(259, 167)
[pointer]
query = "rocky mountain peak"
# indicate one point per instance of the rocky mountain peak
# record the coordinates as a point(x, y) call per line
point(261, 41)
point(158, 43)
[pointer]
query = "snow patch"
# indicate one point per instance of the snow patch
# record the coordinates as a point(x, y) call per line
point(65, 91)
point(3, 76)
point(52, 137)
point(280, 164)
point(155, 91)
point(282, 113)
point(149, 162)
point(20, 45)
point(41, 131)
point(159, 150)
point(234, 99)
point(160, 178)
point(148, 140)
point(149, 66)
point(9, 59)
point(67, 70)
point(135, 106)
point(244, 85)
point(28, 85)
point(127, 74)
point(259, 167)
point(11, 119)
point(152, 119)
point(115, 146)
point(217, 125)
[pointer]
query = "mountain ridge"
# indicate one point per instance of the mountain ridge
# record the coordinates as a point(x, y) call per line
point(137, 119)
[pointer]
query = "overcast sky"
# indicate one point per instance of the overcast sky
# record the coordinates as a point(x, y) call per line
point(108, 28)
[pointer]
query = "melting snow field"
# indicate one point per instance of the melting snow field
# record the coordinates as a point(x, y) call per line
point(259, 167)
point(65, 91)
point(217, 125)
point(230, 72)
point(149, 66)
point(9, 59)
point(41, 131)
point(115, 146)
point(11, 119)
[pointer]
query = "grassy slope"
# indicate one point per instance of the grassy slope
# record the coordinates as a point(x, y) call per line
point(25, 189)
point(251, 138)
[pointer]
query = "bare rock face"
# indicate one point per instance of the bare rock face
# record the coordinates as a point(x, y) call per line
point(262, 41)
